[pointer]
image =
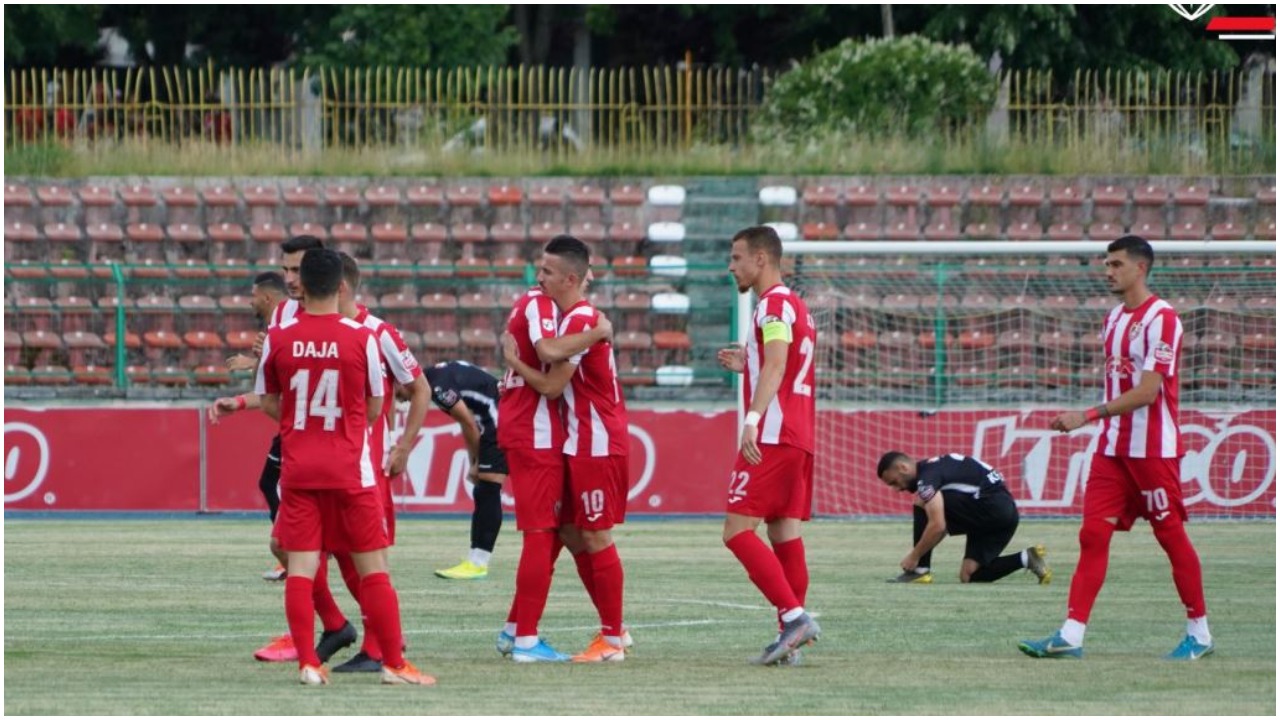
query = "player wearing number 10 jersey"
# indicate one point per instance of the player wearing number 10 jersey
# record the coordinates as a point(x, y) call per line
point(321, 378)
point(772, 480)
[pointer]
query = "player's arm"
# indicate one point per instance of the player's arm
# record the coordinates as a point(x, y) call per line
point(374, 379)
point(551, 383)
point(226, 405)
point(934, 531)
point(470, 431)
point(777, 340)
point(554, 349)
point(420, 395)
point(265, 388)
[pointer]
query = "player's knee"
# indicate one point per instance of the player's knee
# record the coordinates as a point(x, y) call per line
point(1096, 532)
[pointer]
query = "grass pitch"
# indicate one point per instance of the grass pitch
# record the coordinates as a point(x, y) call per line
point(161, 616)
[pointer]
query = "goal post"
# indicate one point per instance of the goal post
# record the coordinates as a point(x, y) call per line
point(972, 347)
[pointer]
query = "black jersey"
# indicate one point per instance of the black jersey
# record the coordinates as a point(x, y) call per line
point(958, 474)
point(457, 381)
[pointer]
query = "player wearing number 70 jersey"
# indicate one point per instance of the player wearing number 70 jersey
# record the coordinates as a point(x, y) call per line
point(1136, 471)
point(772, 480)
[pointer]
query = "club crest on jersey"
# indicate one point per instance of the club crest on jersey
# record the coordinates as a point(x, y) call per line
point(310, 349)
point(548, 324)
point(1134, 331)
point(1163, 353)
point(407, 359)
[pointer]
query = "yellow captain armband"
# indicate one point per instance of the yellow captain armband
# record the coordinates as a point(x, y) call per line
point(775, 329)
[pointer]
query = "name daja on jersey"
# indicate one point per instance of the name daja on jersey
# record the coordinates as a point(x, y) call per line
point(310, 349)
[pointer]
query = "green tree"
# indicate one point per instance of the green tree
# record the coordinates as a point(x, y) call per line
point(411, 36)
point(38, 34)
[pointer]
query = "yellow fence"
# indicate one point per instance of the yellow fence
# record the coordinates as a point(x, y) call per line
point(572, 110)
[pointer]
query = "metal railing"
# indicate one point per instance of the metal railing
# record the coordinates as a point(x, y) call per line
point(569, 110)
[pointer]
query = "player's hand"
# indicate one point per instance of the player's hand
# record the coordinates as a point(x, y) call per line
point(750, 450)
point(397, 459)
point(222, 406)
point(909, 563)
point(1068, 421)
point(509, 350)
point(257, 344)
point(732, 358)
point(473, 473)
point(604, 326)
point(240, 361)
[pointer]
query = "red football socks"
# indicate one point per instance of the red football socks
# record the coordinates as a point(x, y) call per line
point(379, 603)
point(1091, 571)
point(533, 581)
point(300, 612)
point(369, 646)
point(606, 570)
point(331, 617)
point(791, 556)
point(1172, 536)
point(764, 570)
point(588, 576)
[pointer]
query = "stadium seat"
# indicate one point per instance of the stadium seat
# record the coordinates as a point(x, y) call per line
point(1149, 203)
point(205, 348)
point(34, 313)
point(1066, 231)
point(983, 201)
point(342, 197)
point(18, 196)
point(16, 375)
point(1190, 202)
point(1265, 230)
point(627, 194)
point(1108, 204)
point(422, 195)
point(54, 196)
point(1025, 201)
point(261, 195)
point(1104, 231)
point(98, 202)
point(942, 230)
point(91, 375)
point(219, 196)
point(301, 196)
point(981, 231)
point(39, 346)
point(1228, 231)
point(138, 198)
point(904, 229)
point(12, 347)
point(350, 237)
point(480, 345)
point(1066, 203)
point(314, 229)
point(241, 340)
point(822, 231)
point(440, 343)
point(1025, 231)
point(1187, 231)
point(170, 376)
point(469, 233)
point(464, 195)
point(943, 200)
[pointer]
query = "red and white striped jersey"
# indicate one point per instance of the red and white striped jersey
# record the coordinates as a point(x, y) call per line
point(324, 368)
point(286, 310)
point(1145, 339)
point(529, 420)
point(595, 412)
point(399, 366)
point(791, 415)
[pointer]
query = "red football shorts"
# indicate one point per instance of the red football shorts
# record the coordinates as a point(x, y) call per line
point(378, 455)
point(781, 486)
point(597, 491)
point(1130, 488)
point(388, 505)
point(333, 520)
point(537, 485)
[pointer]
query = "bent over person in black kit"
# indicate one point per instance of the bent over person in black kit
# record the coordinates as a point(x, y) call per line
point(960, 495)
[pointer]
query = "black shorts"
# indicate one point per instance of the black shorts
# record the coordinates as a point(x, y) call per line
point(988, 524)
point(491, 461)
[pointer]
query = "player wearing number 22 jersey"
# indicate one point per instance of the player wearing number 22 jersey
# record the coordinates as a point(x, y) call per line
point(772, 478)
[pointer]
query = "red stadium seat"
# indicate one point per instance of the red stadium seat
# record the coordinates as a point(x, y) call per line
point(220, 196)
point(382, 196)
point(301, 196)
point(505, 194)
point(342, 196)
point(261, 195)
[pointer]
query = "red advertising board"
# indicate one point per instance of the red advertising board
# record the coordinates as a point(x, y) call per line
point(123, 458)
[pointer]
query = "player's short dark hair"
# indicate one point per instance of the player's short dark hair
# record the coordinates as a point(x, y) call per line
point(571, 250)
point(1136, 247)
point(350, 271)
point(272, 281)
point(320, 273)
point(762, 237)
point(888, 459)
point(300, 243)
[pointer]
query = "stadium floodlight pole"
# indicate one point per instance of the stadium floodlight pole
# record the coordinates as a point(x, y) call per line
point(997, 247)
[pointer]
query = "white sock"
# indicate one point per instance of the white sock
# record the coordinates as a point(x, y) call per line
point(1023, 555)
point(526, 642)
point(480, 557)
point(510, 629)
point(1198, 628)
point(921, 570)
point(792, 614)
point(613, 640)
point(1073, 632)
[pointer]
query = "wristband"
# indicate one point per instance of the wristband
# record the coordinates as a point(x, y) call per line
point(752, 419)
point(240, 402)
point(1092, 414)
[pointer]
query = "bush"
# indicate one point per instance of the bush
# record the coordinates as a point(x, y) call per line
point(906, 85)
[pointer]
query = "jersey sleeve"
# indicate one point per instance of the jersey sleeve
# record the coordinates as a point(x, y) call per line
point(540, 313)
point(443, 396)
point(265, 382)
point(374, 370)
point(572, 326)
point(928, 481)
point(1164, 339)
point(776, 319)
point(404, 366)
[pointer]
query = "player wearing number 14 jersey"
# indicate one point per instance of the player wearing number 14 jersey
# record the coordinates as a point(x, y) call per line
point(772, 479)
point(321, 378)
